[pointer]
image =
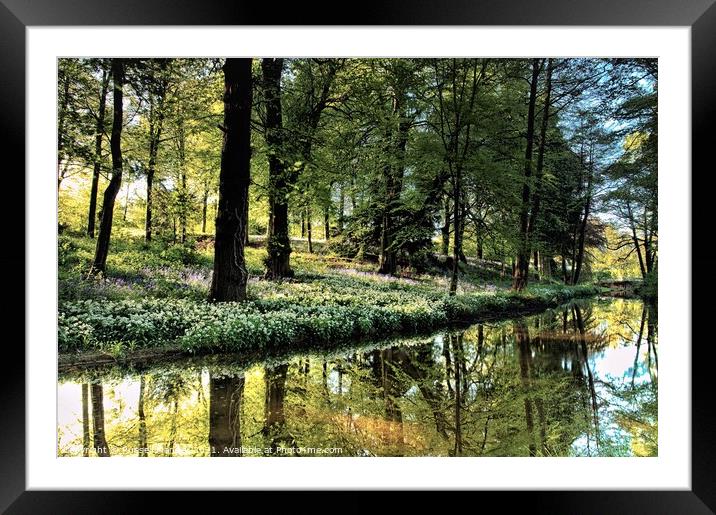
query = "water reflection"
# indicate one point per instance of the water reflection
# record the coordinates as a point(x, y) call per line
point(579, 381)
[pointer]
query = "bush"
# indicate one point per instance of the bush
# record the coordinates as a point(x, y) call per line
point(280, 321)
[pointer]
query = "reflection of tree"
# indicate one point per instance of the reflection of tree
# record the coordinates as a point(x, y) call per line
point(168, 388)
point(651, 327)
point(143, 450)
point(85, 420)
point(638, 345)
point(460, 387)
point(225, 399)
point(275, 429)
point(523, 344)
point(579, 321)
point(99, 438)
point(420, 366)
point(526, 387)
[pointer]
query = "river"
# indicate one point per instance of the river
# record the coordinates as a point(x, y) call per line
point(580, 380)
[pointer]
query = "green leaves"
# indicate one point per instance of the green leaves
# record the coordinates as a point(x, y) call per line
point(307, 317)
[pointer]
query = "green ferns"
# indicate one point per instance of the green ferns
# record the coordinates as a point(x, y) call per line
point(280, 319)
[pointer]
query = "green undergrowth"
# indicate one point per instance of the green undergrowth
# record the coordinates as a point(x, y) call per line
point(313, 315)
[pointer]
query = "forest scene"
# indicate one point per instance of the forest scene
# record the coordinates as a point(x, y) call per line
point(357, 257)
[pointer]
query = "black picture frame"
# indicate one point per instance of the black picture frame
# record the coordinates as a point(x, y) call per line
point(700, 15)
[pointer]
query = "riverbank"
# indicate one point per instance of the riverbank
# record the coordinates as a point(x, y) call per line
point(115, 330)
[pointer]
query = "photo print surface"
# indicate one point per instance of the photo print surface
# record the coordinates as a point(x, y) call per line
point(344, 257)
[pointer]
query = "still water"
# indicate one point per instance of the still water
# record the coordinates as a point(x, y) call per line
point(577, 381)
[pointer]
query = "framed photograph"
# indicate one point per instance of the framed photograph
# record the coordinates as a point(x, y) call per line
point(422, 250)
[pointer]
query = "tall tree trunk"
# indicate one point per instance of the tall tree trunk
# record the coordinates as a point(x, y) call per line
point(308, 229)
point(278, 244)
point(156, 123)
point(583, 226)
point(230, 276)
point(635, 240)
point(126, 202)
point(521, 270)
point(326, 224)
point(457, 240)
point(115, 183)
point(204, 205)
point(97, 165)
point(445, 230)
point(225, 400)
point(397, 144)
point(341, 208)
point(537, 196)
point(183, 196)
point(99, 438)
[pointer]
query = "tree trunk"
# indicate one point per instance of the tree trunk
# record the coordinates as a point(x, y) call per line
point(388, 262)
point(457, 243)
point(308, 230)
point(156, 122)
point(521, 270)
point(341, 209)
point(635, 240)
point(278, 244)
point(326, 223)
point(99, 438)
point(183, 197)
point(115, 183)
point(446, 228)
point(97, 166)
point(583, 227)
point(537, 197)
point(230, 276)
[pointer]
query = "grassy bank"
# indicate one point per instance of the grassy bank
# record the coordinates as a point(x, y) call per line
point(147, 303)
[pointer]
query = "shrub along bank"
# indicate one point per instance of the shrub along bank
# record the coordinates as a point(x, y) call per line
point(307, 315)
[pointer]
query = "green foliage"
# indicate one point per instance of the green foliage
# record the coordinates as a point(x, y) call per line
point(311, 315)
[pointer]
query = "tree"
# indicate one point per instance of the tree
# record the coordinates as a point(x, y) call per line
point(230, 276)
point(156, 85)
point(633, 192)
point(278, 244)
point(457, 82)
point(115, 183)
point(99, 136)
point(521, 270)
